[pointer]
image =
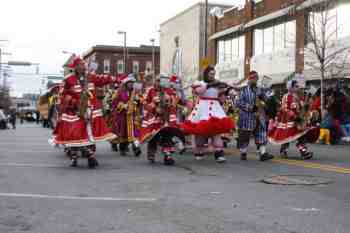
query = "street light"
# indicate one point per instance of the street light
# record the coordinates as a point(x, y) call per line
point(125, 65)
point(153, 57)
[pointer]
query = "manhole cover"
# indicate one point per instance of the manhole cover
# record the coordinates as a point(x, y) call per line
point(296, 180)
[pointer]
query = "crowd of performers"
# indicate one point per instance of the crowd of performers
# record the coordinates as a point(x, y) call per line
point(157, 114)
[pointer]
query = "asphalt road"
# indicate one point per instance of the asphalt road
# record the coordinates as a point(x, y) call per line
point(40, 193)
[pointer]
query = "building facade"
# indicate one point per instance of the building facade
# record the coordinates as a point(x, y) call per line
point(189, 28)
point(269, 36)
point(110, 59)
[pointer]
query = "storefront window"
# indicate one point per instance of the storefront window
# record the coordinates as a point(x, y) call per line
point(268, 40)
point(290, 34)
point(228, 50)
point(343, 21)
point(241, 47)
point(258, 41)
point(274, 38)
point(279, 37)
point(235, 48)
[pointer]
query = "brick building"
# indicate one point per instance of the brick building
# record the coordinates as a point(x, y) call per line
point(268, 36)
point(110, 59)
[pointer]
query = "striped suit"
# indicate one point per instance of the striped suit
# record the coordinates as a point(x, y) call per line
point(248, 119)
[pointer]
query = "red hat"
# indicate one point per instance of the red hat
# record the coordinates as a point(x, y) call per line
point(76, 61)
point(173, 79)
point(253, 75)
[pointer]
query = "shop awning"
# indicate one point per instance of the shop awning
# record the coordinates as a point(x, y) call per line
point(226, 32)
point(309, 3)
point(269, 17)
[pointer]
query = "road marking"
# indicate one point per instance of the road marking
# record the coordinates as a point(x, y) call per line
point(59, 197)
point(306, 210)
point(301, 163)
point(29, 165)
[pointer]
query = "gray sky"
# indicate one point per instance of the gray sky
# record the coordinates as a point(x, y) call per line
point(39, 30)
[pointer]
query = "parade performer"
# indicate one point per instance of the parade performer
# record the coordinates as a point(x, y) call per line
point(125, 110)
point(252, 118)
point(208, 119)
point(292, 123)
point(81, 122)
point(160, 124)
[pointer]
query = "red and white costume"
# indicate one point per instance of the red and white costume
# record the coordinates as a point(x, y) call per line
point(208, 117)
point(285, 129)
point(73, 130)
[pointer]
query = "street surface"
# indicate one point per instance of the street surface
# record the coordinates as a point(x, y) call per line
point(40, 193)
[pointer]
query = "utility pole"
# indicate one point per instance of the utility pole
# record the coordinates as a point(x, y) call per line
point(206, 29)
point(153, 58)
point(125, 59)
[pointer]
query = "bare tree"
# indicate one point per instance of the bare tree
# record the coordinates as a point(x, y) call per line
point(324, 52)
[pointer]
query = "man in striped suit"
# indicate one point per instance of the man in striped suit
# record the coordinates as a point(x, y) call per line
point(252, 118)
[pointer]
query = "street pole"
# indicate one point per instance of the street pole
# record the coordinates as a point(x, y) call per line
point(125, 51)
point(206, 30)
point(153, 58)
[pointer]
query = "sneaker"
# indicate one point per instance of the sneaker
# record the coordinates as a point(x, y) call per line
point(74, 162)
point(199, 157)
point(151, 158)
point(92, 163)
point(265, 157)
point(168, 160)
point(137, 152)
point(307, 155)
point(219, 157)
point(243, 156)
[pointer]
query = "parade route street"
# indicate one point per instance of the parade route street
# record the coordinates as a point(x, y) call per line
point(40, 193)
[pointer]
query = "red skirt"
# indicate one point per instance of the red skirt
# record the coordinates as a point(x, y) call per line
point(209, 128)
point(73, 131)
point(288, 132)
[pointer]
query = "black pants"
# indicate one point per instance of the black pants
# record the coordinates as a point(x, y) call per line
point(164, 138)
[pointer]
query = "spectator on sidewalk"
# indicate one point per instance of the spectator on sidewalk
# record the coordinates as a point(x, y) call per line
point(13, 118)
point(3, 119)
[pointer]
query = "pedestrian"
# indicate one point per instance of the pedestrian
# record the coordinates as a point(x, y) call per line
point(13, 118)
point(292, 123)
point(252, 118)
point(81, 122)
point(125, 110)
point(3, 119)
point(160, 123)
point(208, 120)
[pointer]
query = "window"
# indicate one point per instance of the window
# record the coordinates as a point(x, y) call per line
point(228, 50)
point(241, 47)
point(120, 67)
point(135, 67)
point(106, 66)
point(279, 35)
point(343, 20)
point(290, 34)
point(235, 48)
point(148, 66)
point(274, 38)
point(231, 49)
point(258, 41)
point(221, 51)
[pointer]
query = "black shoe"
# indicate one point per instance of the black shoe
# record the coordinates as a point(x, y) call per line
point(114, 147)
point(137, 152)
point(243, 156)
point(265, 157)
point(220, 157)
point(74, 162)
point(92, 163)
point(151, 158)
point(307, 155)
point(168, 160)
